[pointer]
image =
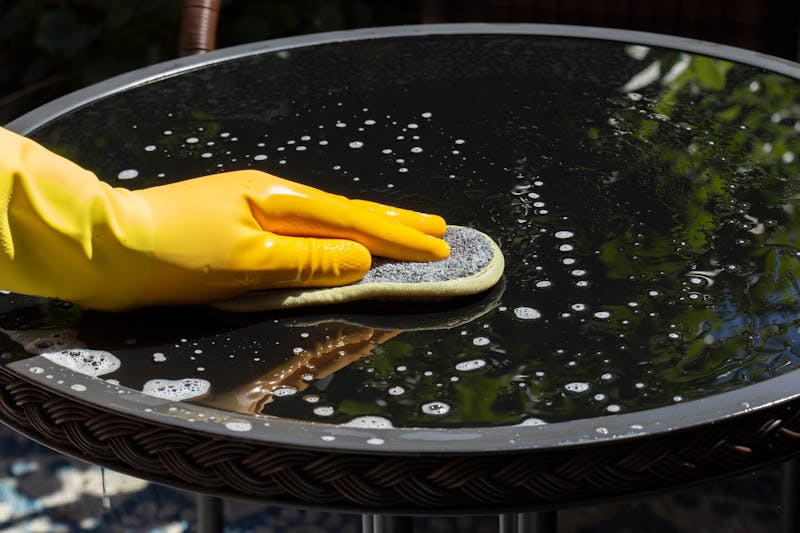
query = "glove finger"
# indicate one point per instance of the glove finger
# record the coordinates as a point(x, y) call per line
point(279, 261)
point(331, 216)
point(424, 222)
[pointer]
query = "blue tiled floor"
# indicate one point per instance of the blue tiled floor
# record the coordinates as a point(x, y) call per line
point(43, 491)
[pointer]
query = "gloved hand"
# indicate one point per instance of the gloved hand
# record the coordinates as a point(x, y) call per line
point(66, 234)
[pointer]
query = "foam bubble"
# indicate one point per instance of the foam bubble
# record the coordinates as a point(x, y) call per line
point(435, 408)
point(532, 422)
point(237, 425)
point(128, 174)
point(176, 390)
point(526, 313)
point(84, 361)
point(472, 364)
point(576, 387)
point(369, 421)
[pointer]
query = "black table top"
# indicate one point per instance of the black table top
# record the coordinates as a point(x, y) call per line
point(643, 189)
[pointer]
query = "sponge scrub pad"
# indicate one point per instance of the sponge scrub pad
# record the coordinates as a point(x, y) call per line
point(475, 264)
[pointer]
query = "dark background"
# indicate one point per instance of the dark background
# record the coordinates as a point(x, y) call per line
point(52, 47)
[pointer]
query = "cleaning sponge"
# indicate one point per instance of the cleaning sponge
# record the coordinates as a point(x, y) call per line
point(474, 265)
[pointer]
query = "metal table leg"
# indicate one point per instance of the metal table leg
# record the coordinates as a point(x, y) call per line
point(540, 522)
point(379, 523)
point(790, 510)
point(210, 514)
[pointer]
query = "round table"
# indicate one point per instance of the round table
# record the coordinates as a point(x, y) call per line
point(645, 335)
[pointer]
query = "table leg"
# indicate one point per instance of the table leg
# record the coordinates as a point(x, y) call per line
point(790, 510)
point(379, 523)
point(540, 522)
point(210, 515)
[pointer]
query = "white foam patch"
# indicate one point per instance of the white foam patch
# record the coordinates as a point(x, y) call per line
point(84, 361)
point(472, 364)
point(526, 313)
point(369, 422)
point(238, 425)
point(178, 389)
point(577, 387)
point(128, 174)
point(532, 422)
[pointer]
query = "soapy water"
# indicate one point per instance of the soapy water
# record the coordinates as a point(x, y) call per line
point(91, 363)
point(177, 390)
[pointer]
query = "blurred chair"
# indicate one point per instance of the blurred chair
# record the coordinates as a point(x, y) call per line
point(769, 26)
point(198, 32)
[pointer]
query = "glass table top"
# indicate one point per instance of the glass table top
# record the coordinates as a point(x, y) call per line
point(646, 200)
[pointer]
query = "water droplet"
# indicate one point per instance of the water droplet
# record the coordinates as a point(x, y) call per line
point(396, 391)
point(435, 408)
point(526, 313)
point(480, 341)
point(356, 144)
point(577, 387)
point(564, 234)
point(78, 387)
point(237, 425)
point(260, 157)
point(375, 441)
point(532, 422)
point(128, 174)
point(472, 364)
point(284, 391)
point(150, 148)
point(369, 422)
point(323, 410)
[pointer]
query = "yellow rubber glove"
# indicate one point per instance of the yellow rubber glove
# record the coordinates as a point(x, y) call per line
point(66, 234)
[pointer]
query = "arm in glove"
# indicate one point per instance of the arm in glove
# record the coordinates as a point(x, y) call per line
point(66, 234)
